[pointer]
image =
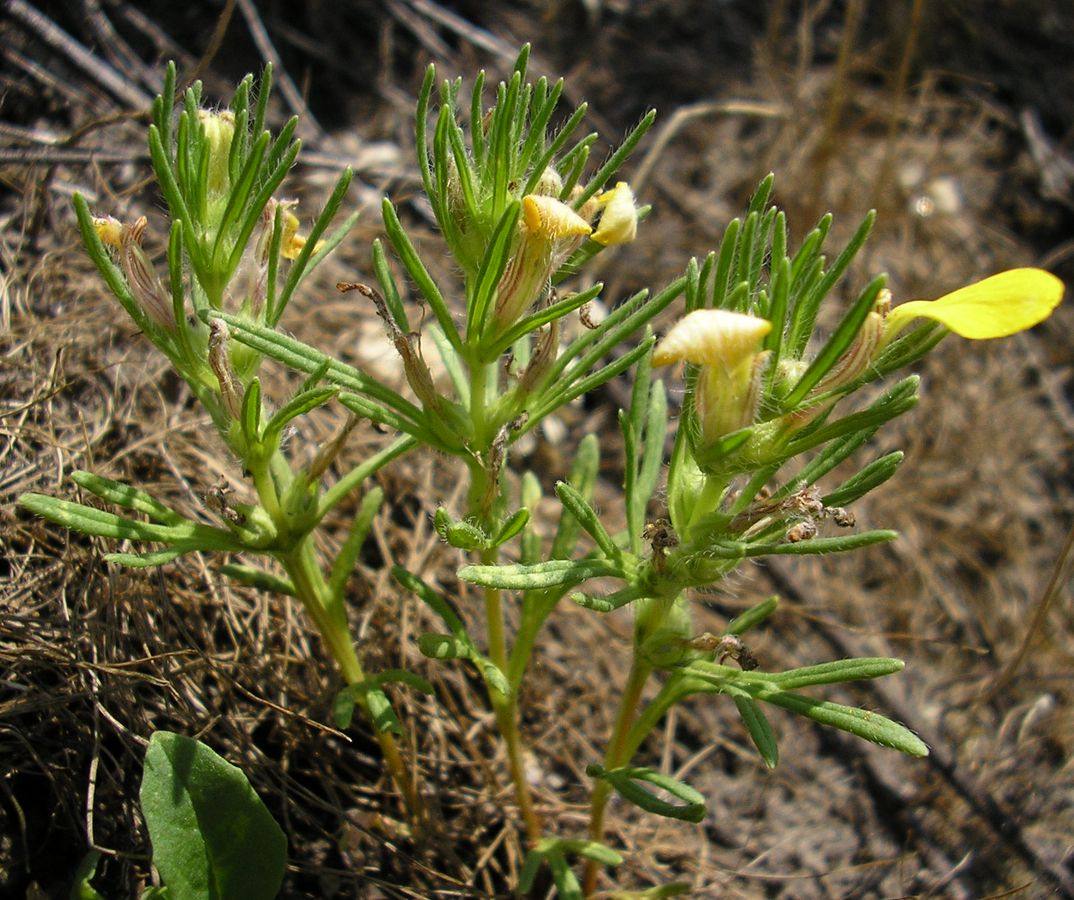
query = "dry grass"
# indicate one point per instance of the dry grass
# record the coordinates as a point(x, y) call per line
point(94, 658)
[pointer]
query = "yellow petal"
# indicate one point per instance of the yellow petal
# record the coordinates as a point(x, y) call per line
point(552, 218)
point(110, 230)
point(999, 306)
point(712, 337)
point(619, 221)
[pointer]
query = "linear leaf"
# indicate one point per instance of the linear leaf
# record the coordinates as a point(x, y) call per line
point(550, 573)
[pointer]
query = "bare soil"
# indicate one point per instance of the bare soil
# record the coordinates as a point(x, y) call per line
point(971, 165)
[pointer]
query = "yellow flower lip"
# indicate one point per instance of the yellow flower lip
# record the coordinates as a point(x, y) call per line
point(619, 221)
point(712, 337)
point(552, 218)
point(996, 307)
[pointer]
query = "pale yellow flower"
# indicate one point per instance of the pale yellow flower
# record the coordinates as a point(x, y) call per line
point(619, 220)
point(727, 347)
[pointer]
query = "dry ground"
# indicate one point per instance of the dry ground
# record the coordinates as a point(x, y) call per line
point(975, 594)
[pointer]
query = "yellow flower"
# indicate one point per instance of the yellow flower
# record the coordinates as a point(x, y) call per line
point(548, 232)
point(291, 242)
point(726, 345)
point(712, 337)
point(996, 307)
point(619, 221)
point(110, 230)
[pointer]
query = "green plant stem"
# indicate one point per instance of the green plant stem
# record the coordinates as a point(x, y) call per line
point(481, 500)
point(271, 478)
point(506, 709)
point(617, 754)
point(330, 619)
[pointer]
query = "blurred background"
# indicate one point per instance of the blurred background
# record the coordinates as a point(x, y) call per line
point(954, 119)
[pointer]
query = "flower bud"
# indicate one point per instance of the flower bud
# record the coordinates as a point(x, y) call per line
point(110, 230)
point(549, 184)
point(220, 362)
point(861, 353)
point(141, 274)
point(619, 220)
point(218, 129)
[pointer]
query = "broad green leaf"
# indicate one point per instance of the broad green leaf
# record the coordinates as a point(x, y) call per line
point(82, 889)
point(213, 838)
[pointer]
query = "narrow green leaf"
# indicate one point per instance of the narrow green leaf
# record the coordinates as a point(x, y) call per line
point(490, 272)
point(97, 522)
point(826, 460)
point(872, 476)
point(211, 834)
point(764, 739)
point(752, 617)
point(539, 576)
point(348, 554)
point(605, 172)
point(588, 519)
point(543, 316)
point(152, 558)
point(173, 197)
point(739, 550)
point(126, 496)
point(583, 476)
point(628, 780)
point(574, 389)
point(806, 308)
point(302, 403)
point(308, 359)
point(416, 268)
point(899, 399)
point(433, 599)
point(611, 602)
point(835, 672)
point(258, 578)
point(309, 255)
point(250, 417)
point(838, 343)
point(865, 724)
point(514, 524)
point(724, 261)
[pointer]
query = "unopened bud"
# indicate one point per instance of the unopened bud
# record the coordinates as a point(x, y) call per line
point(544, 355)
point(861, 353)
point(110, 230)
point(142, 278)
point(218, 129)
point(220, 362)
point(549, 184)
